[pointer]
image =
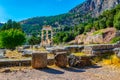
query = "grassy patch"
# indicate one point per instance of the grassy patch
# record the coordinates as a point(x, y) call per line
point(114, 40)
point(98, 32)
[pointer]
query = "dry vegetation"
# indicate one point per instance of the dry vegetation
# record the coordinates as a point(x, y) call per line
point(17, 55)
point(113, 60)
point(80, 54)
point(14, 55)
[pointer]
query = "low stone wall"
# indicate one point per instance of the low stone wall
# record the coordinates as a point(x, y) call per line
point(11, 63)
point(100, 49)
point(68, 49)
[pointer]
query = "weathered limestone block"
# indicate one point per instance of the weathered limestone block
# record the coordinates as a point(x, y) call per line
point(50, 62)
point(86, 60)
point(118, 55)
point(61, 59)
point(59, 50)
point(2, 53)
point(39, 60)
point(102, 47)
point(79, 61)
point(117, 52)
point(118, 45)
point(72, 60)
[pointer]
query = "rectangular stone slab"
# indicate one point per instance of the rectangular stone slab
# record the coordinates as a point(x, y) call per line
point(39, 60)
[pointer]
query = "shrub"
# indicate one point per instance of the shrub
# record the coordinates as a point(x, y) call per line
point(11, 38)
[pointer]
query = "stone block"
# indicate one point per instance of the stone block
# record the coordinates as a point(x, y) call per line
point(79, 61)
point(61, 59)
point(39, 60)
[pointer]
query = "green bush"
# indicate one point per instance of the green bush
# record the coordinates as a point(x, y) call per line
point(34, 40)
point(11, 38)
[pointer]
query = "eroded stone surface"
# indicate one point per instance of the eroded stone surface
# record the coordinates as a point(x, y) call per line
point(61, 59)
point(39, 60)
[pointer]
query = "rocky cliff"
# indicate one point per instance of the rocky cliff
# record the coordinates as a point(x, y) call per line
point(96, 7)
point(96, 37)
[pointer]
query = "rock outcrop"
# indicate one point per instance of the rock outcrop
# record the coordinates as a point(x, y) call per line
point(104, 36)
point(96, 7)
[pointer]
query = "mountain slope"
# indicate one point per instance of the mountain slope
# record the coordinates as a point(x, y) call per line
point(81, 13)
point(1, 24)
point(96, 7)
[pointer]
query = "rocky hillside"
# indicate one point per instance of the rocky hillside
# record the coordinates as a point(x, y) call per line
point(81, 13)
point(95, 7)
point(96, 37)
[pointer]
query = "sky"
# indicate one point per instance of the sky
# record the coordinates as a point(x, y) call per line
point(22, 9)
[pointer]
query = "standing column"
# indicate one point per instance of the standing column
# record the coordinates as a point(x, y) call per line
point(51, 34)
point(42, 37)
point(47, 35)
point(51, 43)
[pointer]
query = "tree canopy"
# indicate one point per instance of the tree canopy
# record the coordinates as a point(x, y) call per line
point(11, 38)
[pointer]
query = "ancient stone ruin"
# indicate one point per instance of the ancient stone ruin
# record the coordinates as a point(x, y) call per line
point(47, 35)
point(39, 60)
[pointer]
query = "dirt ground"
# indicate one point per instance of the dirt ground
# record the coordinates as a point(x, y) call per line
point(89, 73)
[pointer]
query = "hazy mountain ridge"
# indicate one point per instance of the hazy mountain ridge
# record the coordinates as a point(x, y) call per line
point(1, 24)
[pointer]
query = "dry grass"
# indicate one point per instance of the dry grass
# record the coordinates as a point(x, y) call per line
point(113, 60)
point(16, 55)
point(42, 49)
point(13, 54)
point(80, 54)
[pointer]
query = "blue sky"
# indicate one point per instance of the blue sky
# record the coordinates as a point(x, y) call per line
point(23, 9)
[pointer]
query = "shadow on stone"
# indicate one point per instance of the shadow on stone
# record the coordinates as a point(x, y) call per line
point(72, 69)
point(51, 71)
point(94, 66)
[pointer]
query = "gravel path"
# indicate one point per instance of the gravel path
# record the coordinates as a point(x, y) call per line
point(90, 73)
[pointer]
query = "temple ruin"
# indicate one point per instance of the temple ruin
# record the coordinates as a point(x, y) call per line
point(46, 36)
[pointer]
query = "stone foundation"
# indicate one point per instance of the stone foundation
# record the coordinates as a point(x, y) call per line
point(100, 49)
point(12, 63)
